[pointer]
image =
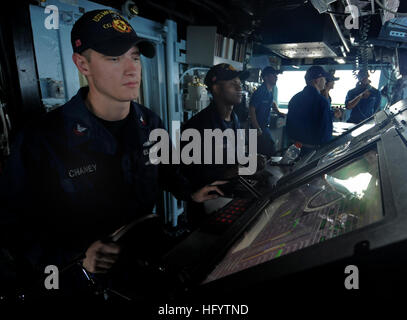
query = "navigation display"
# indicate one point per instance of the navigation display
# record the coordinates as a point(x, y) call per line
point(341, 144)
point(348, 147)
point(342, 200)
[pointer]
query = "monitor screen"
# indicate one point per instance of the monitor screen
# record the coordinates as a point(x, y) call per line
point(339, 201)
point(352, 134)
point(348, 147)
point(340, 128)
point(340, 145)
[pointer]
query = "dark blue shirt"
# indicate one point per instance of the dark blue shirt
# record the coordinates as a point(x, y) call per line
point(366, 107)
point(262, 101)
point(201, 174)
point(64, 186)
point(309, 118)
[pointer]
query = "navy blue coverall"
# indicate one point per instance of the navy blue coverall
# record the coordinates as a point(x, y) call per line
point(366, 106)
point(262, 101)
point(202, 174)
point(309, 118)
point(69, 182)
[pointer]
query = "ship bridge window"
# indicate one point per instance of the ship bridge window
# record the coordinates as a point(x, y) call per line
point(291, 82)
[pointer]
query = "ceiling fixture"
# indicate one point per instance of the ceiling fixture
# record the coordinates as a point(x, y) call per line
point(322, 5)
point(130, 9)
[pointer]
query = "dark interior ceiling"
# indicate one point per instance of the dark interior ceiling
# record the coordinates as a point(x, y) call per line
point(234, 18)
point(263, 21)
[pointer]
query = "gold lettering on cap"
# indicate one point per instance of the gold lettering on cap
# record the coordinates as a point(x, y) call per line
point(100, 15)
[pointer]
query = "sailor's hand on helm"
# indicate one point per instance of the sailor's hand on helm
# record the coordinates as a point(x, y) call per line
point(100, 257)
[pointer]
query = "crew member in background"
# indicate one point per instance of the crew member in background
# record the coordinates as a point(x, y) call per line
point(309, 119)
point(363, 100)
point(84, 170)
point(261, 104)
point(224, 83)
point(242, 109)
point(330, 83)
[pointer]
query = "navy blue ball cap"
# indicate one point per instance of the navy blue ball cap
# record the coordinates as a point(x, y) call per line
point(331, 78)
point(269, 70)
point(224, 72)
point(108, 33)
point(316, 72)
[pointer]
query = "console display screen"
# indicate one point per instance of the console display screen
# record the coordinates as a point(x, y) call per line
point(341, 145)
point(341, 200)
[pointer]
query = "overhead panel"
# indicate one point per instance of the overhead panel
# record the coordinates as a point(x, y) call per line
point(302, 50)
point(302, 33)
